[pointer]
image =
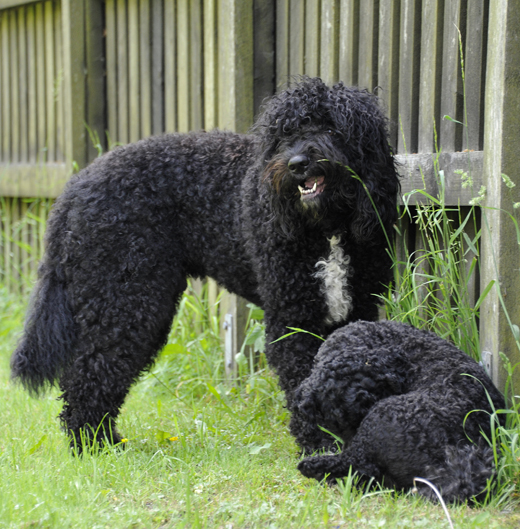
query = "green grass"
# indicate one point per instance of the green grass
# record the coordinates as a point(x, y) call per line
point(200, 453)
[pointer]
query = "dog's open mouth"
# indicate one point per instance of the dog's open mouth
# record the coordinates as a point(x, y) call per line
point(312, 187)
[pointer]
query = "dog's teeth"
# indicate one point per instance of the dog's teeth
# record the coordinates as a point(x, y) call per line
point(314, 186)
point(302, 190)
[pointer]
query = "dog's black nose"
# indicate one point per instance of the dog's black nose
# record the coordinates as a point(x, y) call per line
point(298, 164)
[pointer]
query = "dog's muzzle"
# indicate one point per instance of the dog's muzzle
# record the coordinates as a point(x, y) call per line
point(312, 186)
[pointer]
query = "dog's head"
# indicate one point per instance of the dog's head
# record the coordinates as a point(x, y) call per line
point(326, 158)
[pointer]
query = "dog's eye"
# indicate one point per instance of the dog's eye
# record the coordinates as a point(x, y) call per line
point(332, 132)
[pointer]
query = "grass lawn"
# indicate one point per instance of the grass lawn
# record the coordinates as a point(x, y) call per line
point(200, 453)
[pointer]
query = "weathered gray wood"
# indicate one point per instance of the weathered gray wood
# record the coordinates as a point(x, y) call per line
point(6, 226)
point(96, 67)
point(133, 71)
point(235, 111)
point(74, 94)
point(500, 249)
point(210, 64)
point(282, 43)
point(158, 48)
point(296, 37)
point(431, 57)
point(418, 171)
point(29, 180)
point(32, 145)
point(388, 63)
point(312, 38)
point(145, 70)
point(50, 106)
point(5, 4)
point(170, 66)
point(196, 120)
point(472, 137)
point(263, 50)
point(183, 66)
point(450, 133)
point(59, 87)
point(409, 69)
point(329, 41)
point(5, 89)
point(349, 42)
point(235, 77)
point(123, 107)
point(111, 69)
point(41, 85)
point(22, 85)
point(14, 92)
point(368, 34)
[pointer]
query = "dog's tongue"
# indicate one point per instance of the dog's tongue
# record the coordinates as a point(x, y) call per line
point(309, 183)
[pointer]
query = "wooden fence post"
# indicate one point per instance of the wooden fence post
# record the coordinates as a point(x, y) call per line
point(83, 79)
point(500, 256)
point(235, 112)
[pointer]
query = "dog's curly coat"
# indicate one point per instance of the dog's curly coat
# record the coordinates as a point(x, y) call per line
point(275, 216)
point(406, 404)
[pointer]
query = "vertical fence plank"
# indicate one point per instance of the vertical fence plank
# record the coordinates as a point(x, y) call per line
point(5, 89)
point(349, 42)
point(32, 145)
point(312, 37)
point(183, 66)
point(157, 73)
point(195, 66)
point(50, 113)
point(145, 73)
point(95, 53)
point(210, 64)
point(368, 35)
point(296, 37)
point(111, 69)
point(58, 93)
point(122, 73)
point(74, 81)
point(23, 237)
point(235, 60)
point(388, 69)
point(474, 74)
point(451, 85)
point(22, 85)
point(6, 226)
point(2, 157)
point(264, 50)
point(329, 40)
point(500, 253)
point(170, 65)
point(14, 76)
point(133, 70)
point(41, 95)
point(282, 43)
point(431, 58)
point(409, 67)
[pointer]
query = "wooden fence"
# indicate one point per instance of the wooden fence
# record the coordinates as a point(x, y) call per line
point(132, 68)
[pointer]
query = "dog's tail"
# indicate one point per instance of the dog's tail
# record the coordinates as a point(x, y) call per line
point(468, 473)
point(47, 344)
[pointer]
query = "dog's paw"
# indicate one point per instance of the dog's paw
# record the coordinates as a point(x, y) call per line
point(312, 467)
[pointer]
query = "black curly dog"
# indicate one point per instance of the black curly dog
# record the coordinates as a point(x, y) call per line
point(406, 404)
point(278, 216)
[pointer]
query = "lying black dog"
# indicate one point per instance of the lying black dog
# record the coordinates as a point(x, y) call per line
point(406, 404)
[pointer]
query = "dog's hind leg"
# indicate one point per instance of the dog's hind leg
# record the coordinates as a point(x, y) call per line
point(121, 328)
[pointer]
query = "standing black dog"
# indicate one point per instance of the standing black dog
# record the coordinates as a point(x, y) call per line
point(279, 217)
point(406, 404)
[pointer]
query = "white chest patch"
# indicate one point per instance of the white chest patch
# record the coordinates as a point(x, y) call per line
point(333, 272)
